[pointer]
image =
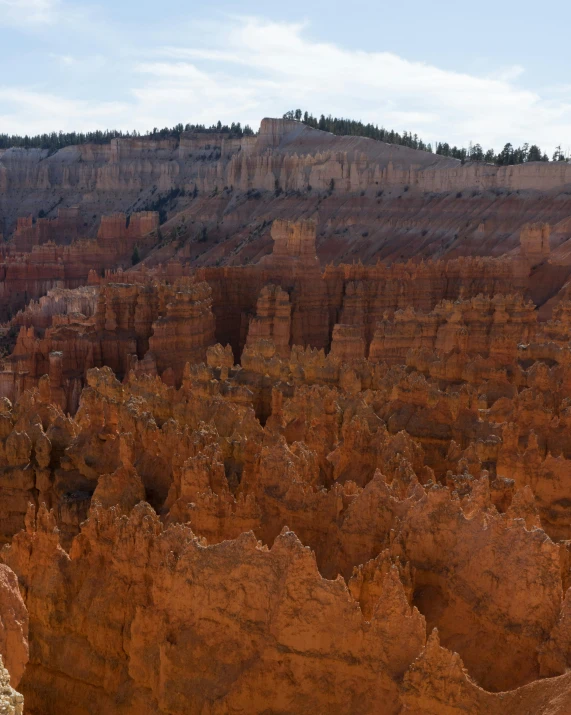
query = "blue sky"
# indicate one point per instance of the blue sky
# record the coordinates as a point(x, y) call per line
point(489, 71)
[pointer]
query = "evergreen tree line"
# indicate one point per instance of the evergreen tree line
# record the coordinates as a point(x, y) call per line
point(340, 126)
point(58, 140)
point(475, 152)
point(350, 127)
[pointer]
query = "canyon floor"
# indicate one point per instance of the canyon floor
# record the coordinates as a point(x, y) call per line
point(285, 427)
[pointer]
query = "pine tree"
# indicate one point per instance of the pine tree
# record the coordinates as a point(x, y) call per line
point(477, 153)
point(505, 157)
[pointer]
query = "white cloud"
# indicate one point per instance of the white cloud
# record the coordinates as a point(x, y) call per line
point(250, 68)
point(380, 87)
point(24, 12)
point(79, 64)
point(65, 60)
point(42, 112)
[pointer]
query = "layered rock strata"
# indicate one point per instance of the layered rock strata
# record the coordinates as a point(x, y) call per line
point(155, 321)
point(30, 268)
point(154, 328)
point(274, 488)
point(371, 200)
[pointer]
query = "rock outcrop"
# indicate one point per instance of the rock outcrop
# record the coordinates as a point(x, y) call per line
point(11, 702)
point(272, 320)
point(277, 487)
point(490, 327)
point(370, 199)
point(43, 265)
point(185, 331)
point(361, 496)
point(13, 628)
point(534, 242)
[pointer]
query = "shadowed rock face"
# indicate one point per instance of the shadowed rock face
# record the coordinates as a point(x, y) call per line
point(156, 320)
point(370, 200)
point(37, 259)
point(281, 487)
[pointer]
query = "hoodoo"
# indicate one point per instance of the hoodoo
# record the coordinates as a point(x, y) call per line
point(285, 428)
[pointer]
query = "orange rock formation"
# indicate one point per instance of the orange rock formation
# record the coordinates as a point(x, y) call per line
point(33, 263)
point(13, 626)
point(277, 487)
point(11, 702)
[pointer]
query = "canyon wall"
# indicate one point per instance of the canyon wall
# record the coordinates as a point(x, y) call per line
point(29, 274)
point(370, 200)
point(244, 475)
point(157, 320)
point(165, 326)
point(284, 151)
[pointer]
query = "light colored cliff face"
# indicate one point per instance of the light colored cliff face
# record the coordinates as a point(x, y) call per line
point(538, 176)
point(11, 702)
point(285, 154)
point(59, 301)
point(369, 200)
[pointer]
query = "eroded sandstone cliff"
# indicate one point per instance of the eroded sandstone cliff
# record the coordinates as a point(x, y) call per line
point(283, 487)
point(371, 200)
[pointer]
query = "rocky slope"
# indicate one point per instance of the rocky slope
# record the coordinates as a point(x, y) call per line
point(358, 502)
point(157, 320)
point(370, 199)
point(247, 476)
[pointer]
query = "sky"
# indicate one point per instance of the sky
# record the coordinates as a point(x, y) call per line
point(486, 72)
